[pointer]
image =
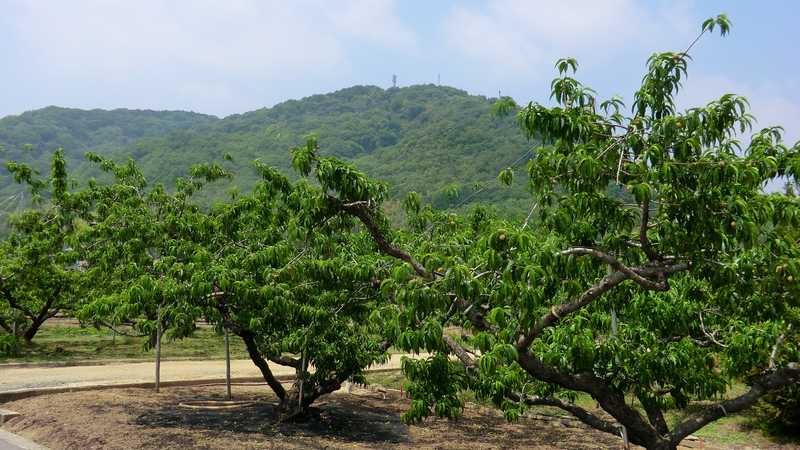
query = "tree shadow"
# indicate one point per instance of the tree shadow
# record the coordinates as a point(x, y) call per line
point(341, 419)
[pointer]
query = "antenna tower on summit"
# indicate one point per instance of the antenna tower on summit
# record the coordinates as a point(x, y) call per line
point(394, 81)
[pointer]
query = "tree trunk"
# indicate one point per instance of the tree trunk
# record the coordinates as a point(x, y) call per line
point(291, 407)
point(296, 403)
point(31, 331)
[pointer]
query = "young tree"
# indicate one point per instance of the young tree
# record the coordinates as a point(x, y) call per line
point(40, 274)
point(659, 269)
point(139, 251)
point(297, 285)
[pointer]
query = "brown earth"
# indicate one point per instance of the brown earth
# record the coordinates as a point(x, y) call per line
point(139, 418)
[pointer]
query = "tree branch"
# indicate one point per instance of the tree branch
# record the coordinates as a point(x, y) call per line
point(617, 265)
point(774, 354)
point(604, 285)
point(459, 351)
point(579, 413)
point(767, 382)
point(362, 212)
point(641, 431)
point(709, 335)
point(285, 361)
point(250, 343)
point(258, 360)
point(646, 247)
point(654, 414)
point(557, 312)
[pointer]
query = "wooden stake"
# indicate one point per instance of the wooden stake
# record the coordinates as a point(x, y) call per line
point(227, 364)
point(158, 350)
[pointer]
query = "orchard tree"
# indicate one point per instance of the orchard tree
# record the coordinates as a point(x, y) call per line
point(296, 284)
point(139, 251)
point(657, 272)
point(40, 274)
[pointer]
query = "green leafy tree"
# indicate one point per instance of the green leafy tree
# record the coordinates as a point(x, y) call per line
point(656, 268)
point(40, 272)
point(139, 249)
point(296, 284)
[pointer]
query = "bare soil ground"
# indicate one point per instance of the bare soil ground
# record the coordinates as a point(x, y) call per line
point(138, 418)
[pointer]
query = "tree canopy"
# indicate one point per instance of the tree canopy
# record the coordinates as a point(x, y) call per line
point(669, 292)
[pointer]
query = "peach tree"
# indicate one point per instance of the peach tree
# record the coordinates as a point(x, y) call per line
point(40, 274)
point(295, 283)
point(655, 273)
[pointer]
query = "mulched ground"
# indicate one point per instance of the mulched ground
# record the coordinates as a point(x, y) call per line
point(139, 418)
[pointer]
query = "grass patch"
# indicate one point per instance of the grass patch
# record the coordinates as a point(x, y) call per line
point(57, 343)
point(391, 379)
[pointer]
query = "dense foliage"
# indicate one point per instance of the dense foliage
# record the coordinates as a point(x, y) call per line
point(669, 292)
point(40, 274)
point(438, 141)
point(32, 137)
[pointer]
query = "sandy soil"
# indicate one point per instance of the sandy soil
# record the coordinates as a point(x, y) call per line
point(13, 378)
point(138, 418)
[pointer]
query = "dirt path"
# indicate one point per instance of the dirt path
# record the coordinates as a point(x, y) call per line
point(15, 378)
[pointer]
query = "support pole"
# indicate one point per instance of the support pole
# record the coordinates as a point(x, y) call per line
point(302, 371)
point(227, 364)
point(158, 350)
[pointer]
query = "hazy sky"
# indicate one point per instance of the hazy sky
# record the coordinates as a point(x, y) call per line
point(231, 56)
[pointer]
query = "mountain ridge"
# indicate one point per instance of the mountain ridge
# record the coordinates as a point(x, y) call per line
point(440, 141)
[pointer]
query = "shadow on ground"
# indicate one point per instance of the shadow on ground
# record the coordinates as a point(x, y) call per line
point(347, 420)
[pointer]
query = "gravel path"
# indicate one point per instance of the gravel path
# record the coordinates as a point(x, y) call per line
point(15, 378)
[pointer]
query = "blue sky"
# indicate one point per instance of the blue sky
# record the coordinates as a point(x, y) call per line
point(232, 56)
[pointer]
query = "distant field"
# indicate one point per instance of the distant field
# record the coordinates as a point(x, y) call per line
point(63, 340)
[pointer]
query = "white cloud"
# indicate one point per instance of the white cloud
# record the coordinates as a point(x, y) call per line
point(768, 101)
point(179, 46)
point(516, 36)
point(373, 21)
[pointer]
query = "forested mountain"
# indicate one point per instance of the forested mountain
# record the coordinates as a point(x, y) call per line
point(33, 136)
point(439, 141)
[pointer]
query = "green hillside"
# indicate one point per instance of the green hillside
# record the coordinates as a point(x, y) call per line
point(34, 135)
point(439, 141)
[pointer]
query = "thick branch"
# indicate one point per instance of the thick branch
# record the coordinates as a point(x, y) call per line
point(459, 351)
point(362, 212)
point(333, 384)
point(12, 302)
point(557, 312)
point(579, 413)
point(654, 414)
point(641, 432)
point(767, 382)
point(258, 360)
point(618, 266)
point(643, 239)
point(250, 343)
point(604, 285)
point(285, 361)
